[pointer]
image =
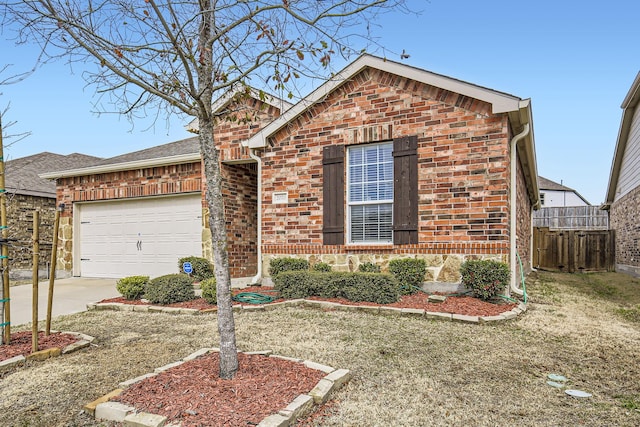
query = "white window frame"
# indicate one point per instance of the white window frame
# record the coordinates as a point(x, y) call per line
point(351, 204)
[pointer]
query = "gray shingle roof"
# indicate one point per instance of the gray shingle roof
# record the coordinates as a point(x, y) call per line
point(177, 148)
point(547, 184)
point(21, 175)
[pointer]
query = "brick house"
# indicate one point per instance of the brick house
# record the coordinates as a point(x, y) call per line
point(623, 191)
point(137, 213)
point(26, 193)
point(384, 160)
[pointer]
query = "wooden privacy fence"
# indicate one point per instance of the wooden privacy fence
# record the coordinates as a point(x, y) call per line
point(573, 250)
point(572, 218)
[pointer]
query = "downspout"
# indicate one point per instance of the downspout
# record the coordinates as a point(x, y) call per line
point(512, 214)
point(258, 159)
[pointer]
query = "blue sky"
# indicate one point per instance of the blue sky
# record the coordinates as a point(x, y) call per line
point(575, 60)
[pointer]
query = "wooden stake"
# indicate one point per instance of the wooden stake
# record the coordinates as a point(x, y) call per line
point(52, 270)
point(36, 259)
point(4, 252)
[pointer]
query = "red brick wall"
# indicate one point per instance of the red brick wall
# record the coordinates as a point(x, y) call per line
point(241, 212)
point(523, 221)
point(624, 220)
point(462, 155)
point(155, 181)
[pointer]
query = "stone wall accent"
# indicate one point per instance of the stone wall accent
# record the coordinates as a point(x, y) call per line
point(440, 268)
point(20, 210)
point(623, 218)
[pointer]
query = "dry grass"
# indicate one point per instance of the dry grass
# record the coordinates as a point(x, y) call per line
point(407, 371)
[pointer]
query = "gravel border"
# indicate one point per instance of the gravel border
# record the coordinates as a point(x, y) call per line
point(507, 315)
point(103, 409)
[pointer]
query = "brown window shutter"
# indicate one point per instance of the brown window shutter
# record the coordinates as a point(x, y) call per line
point(405, 190)
point(333, 195)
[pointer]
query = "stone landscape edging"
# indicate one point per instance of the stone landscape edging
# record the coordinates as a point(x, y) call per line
point(434, 315)
point(103, 409)
point(83, 341)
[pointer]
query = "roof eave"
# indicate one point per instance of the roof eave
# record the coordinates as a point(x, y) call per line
point(500, 102)
point(116, 167)
point(629, 106)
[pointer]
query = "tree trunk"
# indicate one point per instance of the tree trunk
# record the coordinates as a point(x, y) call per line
point(226, 323)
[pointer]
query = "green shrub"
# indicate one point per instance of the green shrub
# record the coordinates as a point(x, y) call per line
point(132, 287)
point(321, 267)
point(485, 278)
point(209, 291)
point(409, 272)
point(369, 267)
point(298, 284)
point(279, 265)
point(371, 287)
point(169, 289)
point(202, 268)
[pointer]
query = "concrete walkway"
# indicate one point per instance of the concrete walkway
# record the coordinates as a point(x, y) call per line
point(69, 296)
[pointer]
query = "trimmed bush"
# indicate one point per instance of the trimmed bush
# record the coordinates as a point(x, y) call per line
point(298, 284)
point(279, 265)
point(370, 287)
point(321, 267)
point(132, 287)
point(409, 272)
point(369, 267)
point(485, 278)
point(202, 268)
point(169, 289)
point(209, 290)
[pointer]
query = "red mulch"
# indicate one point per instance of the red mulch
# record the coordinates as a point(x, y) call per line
point(20, 343)
point(454, 304)
point(194, 395)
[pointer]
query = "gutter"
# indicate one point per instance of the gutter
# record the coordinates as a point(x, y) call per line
point(115, 167)
point(258, 277)
point(512, 214)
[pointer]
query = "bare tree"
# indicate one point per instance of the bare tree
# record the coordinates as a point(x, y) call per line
point(175, 56)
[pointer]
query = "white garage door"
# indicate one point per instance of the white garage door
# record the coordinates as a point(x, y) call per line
point(137, 237)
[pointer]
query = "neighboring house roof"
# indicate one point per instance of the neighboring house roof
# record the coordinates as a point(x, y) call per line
point(22, 174)
point(519, 110)
point(183, 151)
point(547, 184)
point(628, 106)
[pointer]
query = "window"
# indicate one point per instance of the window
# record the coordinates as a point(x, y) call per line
point(541, 199)
point(381, 191)
point(370, 193)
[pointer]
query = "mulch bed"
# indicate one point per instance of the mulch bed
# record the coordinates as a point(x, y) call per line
point(194, 395)
point(20, 343)
point(193, 392)
point(465, 305)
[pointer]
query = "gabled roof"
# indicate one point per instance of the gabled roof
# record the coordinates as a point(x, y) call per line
point(183, 151)
point(230, 95)
point(501, 102)
point(519, 110)
point(628, 106)
point(22, 175)
point(547, 184)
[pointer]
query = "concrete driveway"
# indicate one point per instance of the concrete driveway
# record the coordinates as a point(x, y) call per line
point(69, 296)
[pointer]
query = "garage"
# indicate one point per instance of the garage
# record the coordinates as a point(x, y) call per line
point(137, 236)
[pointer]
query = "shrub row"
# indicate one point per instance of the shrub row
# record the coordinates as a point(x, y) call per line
point(408, 272)
point(485, 278)
point(371, 287)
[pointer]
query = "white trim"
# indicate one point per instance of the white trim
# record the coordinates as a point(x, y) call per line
point(115, 167)
point(500, 102)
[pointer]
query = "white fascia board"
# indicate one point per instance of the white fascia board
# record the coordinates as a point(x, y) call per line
point(116, 167)
point(500, 102)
